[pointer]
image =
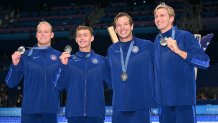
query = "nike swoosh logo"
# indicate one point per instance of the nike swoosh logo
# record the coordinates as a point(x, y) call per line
point(35, 57)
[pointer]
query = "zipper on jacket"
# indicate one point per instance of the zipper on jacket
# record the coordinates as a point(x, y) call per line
point(85, 84)
point(45, 72)
point(45, 79)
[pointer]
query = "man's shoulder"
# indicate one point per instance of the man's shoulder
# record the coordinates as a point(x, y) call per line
point(54, 51)
point(113, 46)
point(183, 32)
point(142, 42)
point(97, 55)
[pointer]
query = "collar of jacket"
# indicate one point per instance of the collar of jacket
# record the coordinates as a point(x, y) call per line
point(168, 33)
point(38, 48)
point(81, 54)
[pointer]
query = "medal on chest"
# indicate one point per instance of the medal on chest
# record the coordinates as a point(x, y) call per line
point(124, 75)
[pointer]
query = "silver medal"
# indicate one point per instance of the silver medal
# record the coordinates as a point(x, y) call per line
point(68, 49)
point(124, 76)
point(163, 41)
point(21, 50)
point(135, 49)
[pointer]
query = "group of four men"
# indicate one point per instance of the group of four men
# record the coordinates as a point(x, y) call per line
point(142, 74)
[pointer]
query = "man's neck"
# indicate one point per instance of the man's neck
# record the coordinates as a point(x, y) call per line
point(40, 45)
point(85, 49)
point(166, 29)
point(126, 39)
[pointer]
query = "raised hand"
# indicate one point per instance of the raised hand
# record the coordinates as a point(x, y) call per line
point(16, 58)
point(64, 58)
point(172, 44)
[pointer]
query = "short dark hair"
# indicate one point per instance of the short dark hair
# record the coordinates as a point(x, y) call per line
point(121, 14)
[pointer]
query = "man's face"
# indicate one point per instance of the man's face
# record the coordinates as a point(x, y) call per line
point(162, 20)
point(124, 29)
point(84, 38)
point(44, 35)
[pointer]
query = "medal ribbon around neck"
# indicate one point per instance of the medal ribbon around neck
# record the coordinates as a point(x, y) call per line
point(173, 33)
point(125, 64)
point(88, 54)
point(39, 48)
point(163, 38)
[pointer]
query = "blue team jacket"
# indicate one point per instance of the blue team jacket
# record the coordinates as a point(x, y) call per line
point(175, 77)
point(83, 78)
point(136, 93)
point(39, 71)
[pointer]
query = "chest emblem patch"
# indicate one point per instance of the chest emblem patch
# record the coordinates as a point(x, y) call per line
point(95, 61)
point(53, 57)
point(135, 49)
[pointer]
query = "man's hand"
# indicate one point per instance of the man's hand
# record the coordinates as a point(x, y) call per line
point(16, 58)
point(64, 58)
point(172, 44)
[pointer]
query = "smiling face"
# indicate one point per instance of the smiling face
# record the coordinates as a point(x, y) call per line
point(163, 20)
point(84, 39)
point(123, 28)
point(44, 34)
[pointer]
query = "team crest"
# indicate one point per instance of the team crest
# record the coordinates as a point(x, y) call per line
point(135, 49)
point(95, 61)
point(53, 57)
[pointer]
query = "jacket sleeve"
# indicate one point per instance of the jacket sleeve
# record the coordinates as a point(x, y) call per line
point(61, 77)
point(107, 74)
point(195, 54)
point(15, 74)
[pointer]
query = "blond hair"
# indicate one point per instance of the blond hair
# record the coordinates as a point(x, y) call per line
point(45, 22)
point(169, 9)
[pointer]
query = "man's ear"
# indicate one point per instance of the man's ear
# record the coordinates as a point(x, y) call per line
point(92, 39)
point(52, 35)
point(171, 19)
point(132, 27)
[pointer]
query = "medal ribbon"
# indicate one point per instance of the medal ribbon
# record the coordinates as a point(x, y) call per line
point(172, 34)
point(88, 54)
point(124, 65)
point(39, 48)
